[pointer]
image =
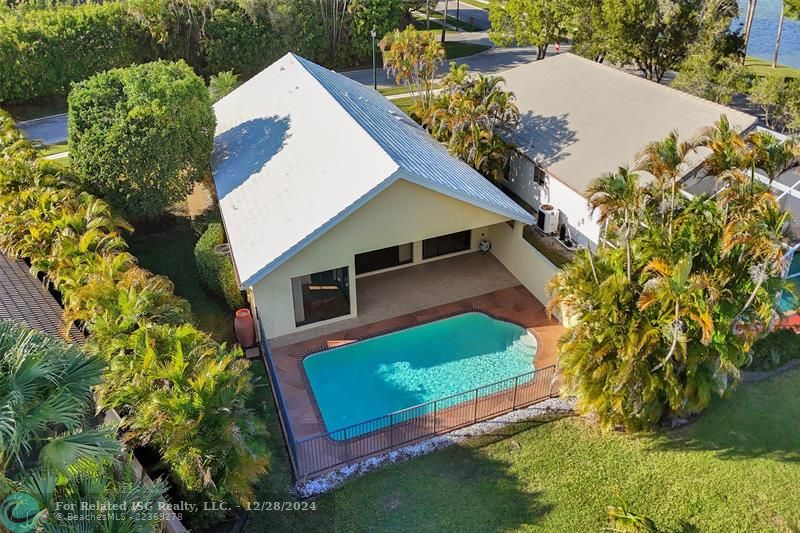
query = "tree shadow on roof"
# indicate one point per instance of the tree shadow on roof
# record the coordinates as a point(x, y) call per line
point(243, 151)
point(544, 138)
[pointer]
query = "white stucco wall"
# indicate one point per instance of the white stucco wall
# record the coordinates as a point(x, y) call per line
point(527, 264)
point(403, 213)
point(572, 205)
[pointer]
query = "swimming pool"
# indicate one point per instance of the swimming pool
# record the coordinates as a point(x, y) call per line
point(371, 378)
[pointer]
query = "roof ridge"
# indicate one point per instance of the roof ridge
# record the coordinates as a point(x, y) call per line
point(305, 63)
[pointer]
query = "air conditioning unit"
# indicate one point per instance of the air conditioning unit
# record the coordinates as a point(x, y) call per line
point(548, 218)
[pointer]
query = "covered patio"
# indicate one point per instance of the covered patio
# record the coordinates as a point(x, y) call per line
point(414, 288)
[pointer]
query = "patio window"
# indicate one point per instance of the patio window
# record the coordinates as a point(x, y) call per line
point(321, 296)
point(446, 244)
point(384, 258)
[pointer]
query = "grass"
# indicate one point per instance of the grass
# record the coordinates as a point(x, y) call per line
point(170, 251)
point(53, 149)
point(762, 67)
point(477, 3)
point(735, 469)
point(459, 49)
point(405, 104)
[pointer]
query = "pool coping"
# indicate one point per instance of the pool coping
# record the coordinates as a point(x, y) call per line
point(325, 433)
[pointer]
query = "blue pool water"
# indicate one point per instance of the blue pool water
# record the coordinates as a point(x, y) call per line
point(764, 30)
point(368, 379)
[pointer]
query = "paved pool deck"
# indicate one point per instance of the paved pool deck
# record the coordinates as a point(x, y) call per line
point(515, 303)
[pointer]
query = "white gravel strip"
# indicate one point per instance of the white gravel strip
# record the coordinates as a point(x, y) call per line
point(331, 480)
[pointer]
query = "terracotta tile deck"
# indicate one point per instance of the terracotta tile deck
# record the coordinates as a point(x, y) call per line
point(516, 304)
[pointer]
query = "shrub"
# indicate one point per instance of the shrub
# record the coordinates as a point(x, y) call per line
point(775, 350)
point(382, 15)
point(43, 51)
point(216, 271)
point(139, 136)
point(179, 389)
point(238, 42)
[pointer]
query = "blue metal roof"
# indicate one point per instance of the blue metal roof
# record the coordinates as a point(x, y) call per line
point(425, 161)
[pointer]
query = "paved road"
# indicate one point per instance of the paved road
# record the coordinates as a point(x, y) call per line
point(492, 61)
point(474, 15)
point(489, 62)
point(48, 130)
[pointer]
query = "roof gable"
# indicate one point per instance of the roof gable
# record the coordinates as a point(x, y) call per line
point(298, 148)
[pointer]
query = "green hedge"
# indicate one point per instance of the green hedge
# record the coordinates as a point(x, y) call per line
point(216, 271)
point(43, 51)
point(139, 136)
point(237, 42)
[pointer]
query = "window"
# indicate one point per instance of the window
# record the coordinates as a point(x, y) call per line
point(539, 175)
point(384, 258)
point(321, 296)
point(446, 244)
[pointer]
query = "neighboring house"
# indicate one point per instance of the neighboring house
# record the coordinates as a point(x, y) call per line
point(580, 119)
point(25, 300)
point(321, 181)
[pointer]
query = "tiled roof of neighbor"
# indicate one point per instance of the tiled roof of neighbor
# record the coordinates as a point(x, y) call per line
point(25, 300)
point(298, 148)
point(581, 119)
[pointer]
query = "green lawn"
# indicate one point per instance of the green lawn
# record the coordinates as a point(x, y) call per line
point(476, 3)
point(405, 104)
point(762, 67)
point(52, 149)
point(170, 251)
point(458, 49)
point(736, 469)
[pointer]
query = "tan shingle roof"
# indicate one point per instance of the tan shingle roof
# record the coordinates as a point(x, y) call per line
point(581, 118)
point(25, 300)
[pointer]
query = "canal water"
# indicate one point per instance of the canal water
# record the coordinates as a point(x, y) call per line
point(764, 30)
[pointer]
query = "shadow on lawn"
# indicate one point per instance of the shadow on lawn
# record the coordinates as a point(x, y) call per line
point(756, 420)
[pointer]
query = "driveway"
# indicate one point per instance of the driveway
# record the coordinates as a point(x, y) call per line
point(47, 130)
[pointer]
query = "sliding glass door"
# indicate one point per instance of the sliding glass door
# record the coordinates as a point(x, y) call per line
point(321, 296)
point(384, 258)
point(446, 244)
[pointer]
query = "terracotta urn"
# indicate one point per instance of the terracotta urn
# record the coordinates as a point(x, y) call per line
point(243, 325)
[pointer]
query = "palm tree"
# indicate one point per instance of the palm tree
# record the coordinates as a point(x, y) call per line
point(46, 448)
point(664, 160)
point(46, 385)
point(114, 303)
point(222, 84)
point(769, 154)
point(413, 58)
point(790, 9)
point(619, 200)
point(748, 24)
point(189, 395)
point(728, 147)
point(470, 116)
point(681, 297)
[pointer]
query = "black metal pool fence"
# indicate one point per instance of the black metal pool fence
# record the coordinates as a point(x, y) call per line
point(328, 450)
